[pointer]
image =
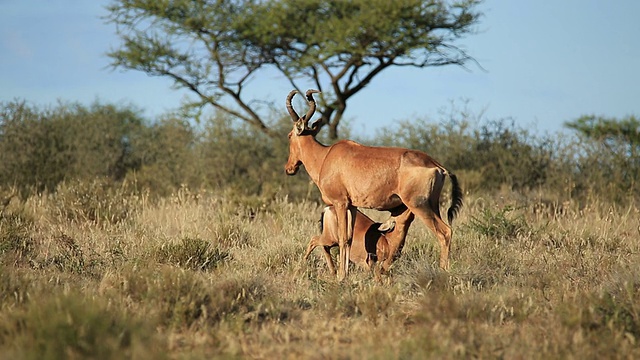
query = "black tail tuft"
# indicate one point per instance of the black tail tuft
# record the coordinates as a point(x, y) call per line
point(456, 199)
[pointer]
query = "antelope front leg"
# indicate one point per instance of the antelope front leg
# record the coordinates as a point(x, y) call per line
point(351, 222)
point(345, 217)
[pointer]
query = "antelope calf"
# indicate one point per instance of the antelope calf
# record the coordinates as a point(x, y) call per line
point(372, 242)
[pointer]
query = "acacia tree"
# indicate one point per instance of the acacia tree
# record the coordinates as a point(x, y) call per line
point(215, 47)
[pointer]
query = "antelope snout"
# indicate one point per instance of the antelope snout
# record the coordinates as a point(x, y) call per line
point(291, 170)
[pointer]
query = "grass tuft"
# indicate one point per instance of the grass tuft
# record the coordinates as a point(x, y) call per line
point(192, 253)
point(75, 326)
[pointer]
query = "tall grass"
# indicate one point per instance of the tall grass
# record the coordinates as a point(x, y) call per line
point(202, 275)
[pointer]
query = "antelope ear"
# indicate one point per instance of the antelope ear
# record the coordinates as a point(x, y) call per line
point(299, 125)
point(315, 129)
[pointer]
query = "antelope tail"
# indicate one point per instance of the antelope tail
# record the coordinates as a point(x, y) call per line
point(456, 198)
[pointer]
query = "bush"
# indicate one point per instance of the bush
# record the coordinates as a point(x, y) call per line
point(165, 157)
point(247, 161)
point(42, 148)
point(71, 142)
point(498, 225)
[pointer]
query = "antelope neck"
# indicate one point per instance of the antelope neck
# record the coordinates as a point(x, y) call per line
point(312, 155)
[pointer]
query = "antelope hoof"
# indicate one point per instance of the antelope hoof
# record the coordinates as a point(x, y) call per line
point(444, 265)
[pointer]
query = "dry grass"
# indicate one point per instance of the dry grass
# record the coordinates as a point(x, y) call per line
point(200, 275)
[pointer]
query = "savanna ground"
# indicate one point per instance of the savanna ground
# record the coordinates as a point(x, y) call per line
point(86, 273)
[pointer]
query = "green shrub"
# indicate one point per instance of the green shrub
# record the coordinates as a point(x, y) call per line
point(247, 161)
point(498, 225)
point(43, 147)
point(619, 305)
point(165, 157)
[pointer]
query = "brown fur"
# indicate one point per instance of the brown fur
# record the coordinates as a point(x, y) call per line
point(351, 175)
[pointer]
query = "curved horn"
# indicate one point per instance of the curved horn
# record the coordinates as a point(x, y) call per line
point(292, 112)
point(312, 105)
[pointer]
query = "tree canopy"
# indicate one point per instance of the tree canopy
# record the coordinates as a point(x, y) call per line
point(619, 163)
point(621, 136)
point(215, 47)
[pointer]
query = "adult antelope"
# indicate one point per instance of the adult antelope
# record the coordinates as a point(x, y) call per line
point(372, 242)
point(352, 175)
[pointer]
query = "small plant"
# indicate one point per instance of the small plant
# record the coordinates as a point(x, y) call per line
point(499, 224)
point(619, 306)
point(192, 253)
point(232, 235)
point(375, 303)
point(15, 239)
point(68, 255)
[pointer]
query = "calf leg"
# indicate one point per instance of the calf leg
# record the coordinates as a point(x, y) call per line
point(315, 242)
point(374, 268)
point(327, 256)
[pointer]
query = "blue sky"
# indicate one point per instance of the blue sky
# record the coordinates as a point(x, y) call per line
point(546, 62)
